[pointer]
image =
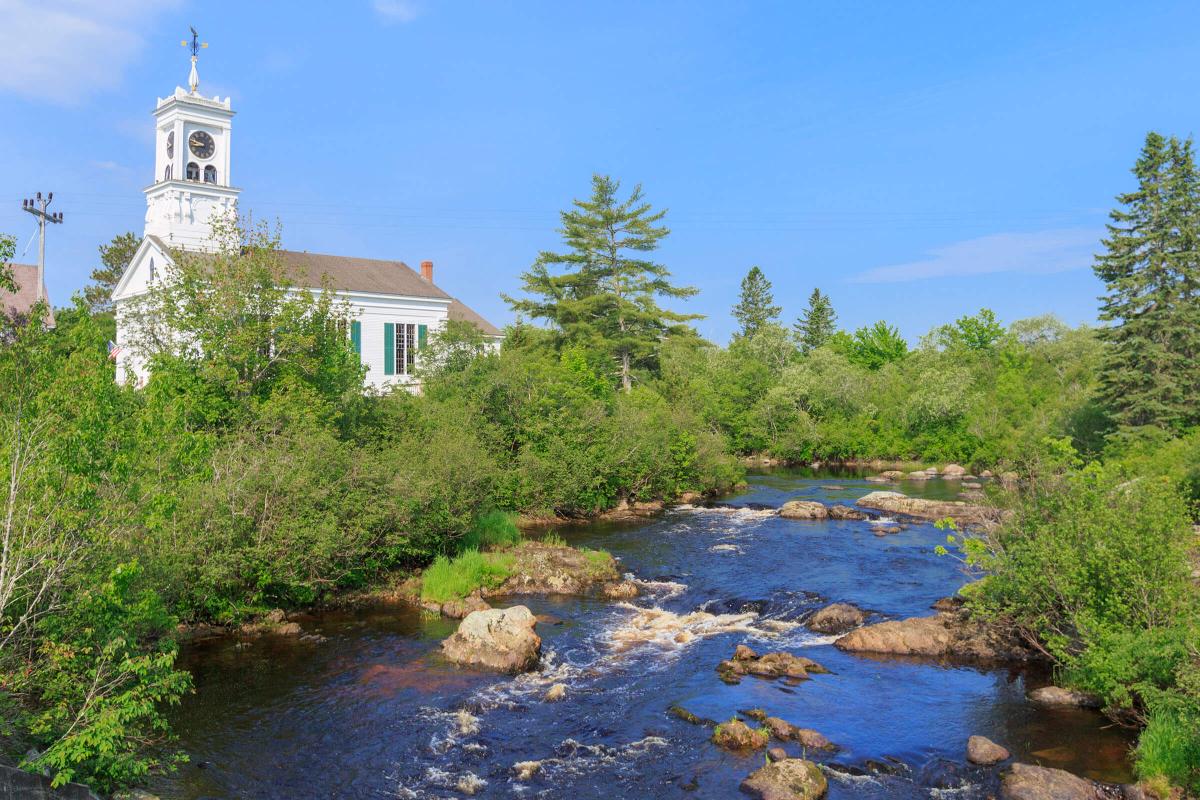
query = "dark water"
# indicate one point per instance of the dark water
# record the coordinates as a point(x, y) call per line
point(374, 712)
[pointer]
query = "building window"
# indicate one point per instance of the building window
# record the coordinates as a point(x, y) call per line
point(193, 171)
point(167, 173)
point(406, 348)
point(210, 174)
point(152, 268)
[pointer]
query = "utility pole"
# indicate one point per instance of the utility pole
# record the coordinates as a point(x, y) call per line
point(37, 207)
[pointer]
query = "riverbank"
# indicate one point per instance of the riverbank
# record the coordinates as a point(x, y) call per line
point(901, 724)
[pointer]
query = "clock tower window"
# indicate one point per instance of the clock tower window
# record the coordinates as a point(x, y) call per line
point(167, 173)
point(210, 174)
point(193, 171)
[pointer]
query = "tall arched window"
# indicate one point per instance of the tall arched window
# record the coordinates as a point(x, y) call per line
point(193, 171)
point(167, 173)
point(210, 174)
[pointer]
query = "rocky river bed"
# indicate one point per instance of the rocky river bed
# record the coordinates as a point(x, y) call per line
point(370, 707)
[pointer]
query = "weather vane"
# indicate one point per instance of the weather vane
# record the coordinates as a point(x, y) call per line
point(196, 45)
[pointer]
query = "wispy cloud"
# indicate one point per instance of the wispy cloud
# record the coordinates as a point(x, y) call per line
point(64, 52)
point(1043, 251)
point(397, 10)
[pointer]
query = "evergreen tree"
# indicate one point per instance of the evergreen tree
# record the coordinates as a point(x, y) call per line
point(114, 257)
point(755, 307)
point(604, 293)
point(816, 325)
point(1151, 268)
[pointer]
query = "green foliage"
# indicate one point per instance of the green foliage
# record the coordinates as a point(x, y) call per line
point(102, 685)
point(606, 297)
point(816, 325)
point(980, 332)
point(453, 579)
point(114, 259)
point(756, 305)
point(1151, 269)
point(873, 346)
point(492, 529)
point(8, 246)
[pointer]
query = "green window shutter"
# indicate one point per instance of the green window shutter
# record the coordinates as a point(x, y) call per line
point(356, 336)
point(389, 348)
point(422, 335)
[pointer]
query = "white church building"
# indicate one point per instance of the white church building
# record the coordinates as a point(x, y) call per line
point(393, 308)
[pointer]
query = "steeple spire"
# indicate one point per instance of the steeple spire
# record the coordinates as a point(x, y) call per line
point(196, 46)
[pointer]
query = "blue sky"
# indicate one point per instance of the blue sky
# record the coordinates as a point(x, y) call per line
point(915, 160)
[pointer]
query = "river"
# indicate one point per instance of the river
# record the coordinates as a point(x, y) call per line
point(373, 712)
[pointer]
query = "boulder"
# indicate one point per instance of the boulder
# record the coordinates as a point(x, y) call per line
point(679, 712)
point(987, 473)
point(846, 512)
point(919, 475)
point(954, 471)
point(947, 635)
point(1058, 697)
point(787, 732)
point(898, 503)
point(459, 609)
point(620, 590)
point(770, 665)
point(555, 693)
point(788, 779)
point(542, 568)
point(982, 750)
point(803, 509)
point(776, 754)
point(891, 475)
point(501, 639)
point(737, 735)
point(744, 653)
point(835, 618)
point(875, 479)
point(1027, 782)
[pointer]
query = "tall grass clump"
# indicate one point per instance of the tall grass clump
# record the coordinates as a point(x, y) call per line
point(492, 530)
point(453, 579)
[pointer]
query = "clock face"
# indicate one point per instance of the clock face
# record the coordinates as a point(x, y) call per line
point(202, 144)
point(171, 144)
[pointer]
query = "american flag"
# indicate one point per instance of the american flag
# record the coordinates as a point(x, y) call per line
point(114, 350)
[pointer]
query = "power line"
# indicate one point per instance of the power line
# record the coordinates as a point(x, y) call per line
point(37, 207)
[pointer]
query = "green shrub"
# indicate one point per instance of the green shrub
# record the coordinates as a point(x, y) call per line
point(453, 579)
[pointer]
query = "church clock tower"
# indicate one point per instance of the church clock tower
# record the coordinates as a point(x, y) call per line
point(192, 186)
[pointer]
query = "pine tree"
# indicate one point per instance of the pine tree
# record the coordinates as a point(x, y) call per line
point(816, 325)
point(755, 307)
point(1151, 269)
point(115, 257)
point(604, 294)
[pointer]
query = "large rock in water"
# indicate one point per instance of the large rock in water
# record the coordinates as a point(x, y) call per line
point(835, 618)
point(948, 635)
point(789, 779)
point(502, 639)
point(898, 503)
point(982, 750)
point(17, 784)
point(803, 509)
point(1027, 782)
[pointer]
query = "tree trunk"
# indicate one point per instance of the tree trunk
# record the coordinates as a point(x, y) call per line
point(626, 381)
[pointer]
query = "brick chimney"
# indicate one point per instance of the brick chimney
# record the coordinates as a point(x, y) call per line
point(427, 270)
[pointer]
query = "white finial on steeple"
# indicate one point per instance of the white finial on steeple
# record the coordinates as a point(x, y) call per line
point(197, 46)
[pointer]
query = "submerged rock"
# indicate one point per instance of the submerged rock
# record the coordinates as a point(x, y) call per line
point(803, 509)
point(679, 712)
point(1027, 782)
point(459, 609)
point(951, 635)
point(525, 770)
point(918, 475)
point(835, 618)
point(737, 735)
point(982, 750)
point(555, 693)
point(891, 475)
point(501, 639)
point(621, 590)
point(1058, 697)
point(788, 779)
point(898, 503)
